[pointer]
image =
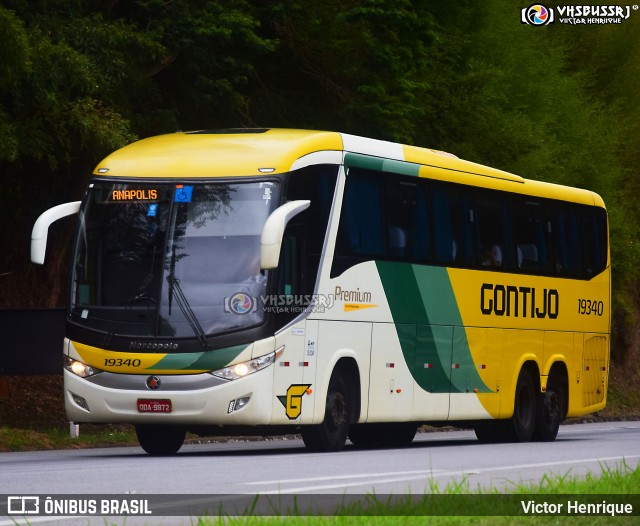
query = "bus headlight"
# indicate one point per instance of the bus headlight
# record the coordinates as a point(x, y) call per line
point(242, 369)
point(79, 368)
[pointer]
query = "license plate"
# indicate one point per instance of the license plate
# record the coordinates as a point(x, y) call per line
point(146, 405)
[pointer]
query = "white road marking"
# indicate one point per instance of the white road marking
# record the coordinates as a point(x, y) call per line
point(412, 475)
point(338, 477)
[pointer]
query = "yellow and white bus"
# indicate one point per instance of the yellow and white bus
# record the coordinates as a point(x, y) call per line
point(265, 280)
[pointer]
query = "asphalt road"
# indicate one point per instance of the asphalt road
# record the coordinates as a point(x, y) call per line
point(283, 467)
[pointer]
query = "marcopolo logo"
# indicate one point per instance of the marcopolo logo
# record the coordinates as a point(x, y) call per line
point(537, 15)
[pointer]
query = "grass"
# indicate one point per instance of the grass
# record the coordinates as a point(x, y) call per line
point(12, 439)
point(479, 508)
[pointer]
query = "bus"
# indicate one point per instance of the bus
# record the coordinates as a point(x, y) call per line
point(266, 281)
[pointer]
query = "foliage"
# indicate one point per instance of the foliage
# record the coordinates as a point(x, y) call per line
point(359, 66)
point(79, 79)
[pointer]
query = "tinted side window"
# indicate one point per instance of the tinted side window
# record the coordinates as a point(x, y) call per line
point(361, 231)
point(304, 236)
point(533, 237)
point(394, 217)
point(594, 241)
point(408, 219)
point(492, 219)
point(453, 219)
point(566, 240)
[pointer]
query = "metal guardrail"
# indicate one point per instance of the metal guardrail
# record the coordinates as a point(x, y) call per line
point(31, 342)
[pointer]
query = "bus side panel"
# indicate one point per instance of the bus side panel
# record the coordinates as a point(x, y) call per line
point(469, 350)
point(391, 383)
point(575, 376)
point(588, 373)
point(290, 400)
point(432, 370)
point(595, 364)
point(337, 340)
point(558, 347)
point(487, 347)
point(520, 346)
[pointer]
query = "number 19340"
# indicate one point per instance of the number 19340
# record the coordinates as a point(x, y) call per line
point(590, 307)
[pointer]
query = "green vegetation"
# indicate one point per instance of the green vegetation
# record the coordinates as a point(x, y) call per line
point(443, 502)
point(79, 79)
point(58, 438)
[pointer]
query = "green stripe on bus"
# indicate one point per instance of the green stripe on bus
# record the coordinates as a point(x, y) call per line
point(425, 314)
point(368, 162)
point(202, 361)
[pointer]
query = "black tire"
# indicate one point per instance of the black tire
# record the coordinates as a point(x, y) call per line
point(331, 434)
point(551, 410)
point(160, 440)
point(382, 435)
point(523, 423)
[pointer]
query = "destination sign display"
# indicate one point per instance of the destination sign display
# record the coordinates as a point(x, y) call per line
point(146, 194)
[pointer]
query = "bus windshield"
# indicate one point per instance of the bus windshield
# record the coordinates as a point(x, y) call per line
point(171, 260)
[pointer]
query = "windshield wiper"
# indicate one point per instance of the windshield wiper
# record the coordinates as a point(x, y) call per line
point(183, 303)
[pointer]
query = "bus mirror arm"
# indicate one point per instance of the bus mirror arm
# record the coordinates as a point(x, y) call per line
point(41, 228)
point(273, 232)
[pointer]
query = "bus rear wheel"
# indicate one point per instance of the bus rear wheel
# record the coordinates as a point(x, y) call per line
point(331, 434)
point(551, 410)
point(523, 423)
point(159, 439)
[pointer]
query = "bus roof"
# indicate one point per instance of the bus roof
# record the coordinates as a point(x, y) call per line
point(259, 152)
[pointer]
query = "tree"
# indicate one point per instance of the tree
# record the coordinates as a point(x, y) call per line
point(360, 66)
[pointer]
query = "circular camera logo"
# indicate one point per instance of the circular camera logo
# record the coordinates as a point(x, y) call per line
point(241, 303)
point(537, 15)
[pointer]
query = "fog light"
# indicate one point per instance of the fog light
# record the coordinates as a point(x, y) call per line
point(241, 402)
point(80, 401)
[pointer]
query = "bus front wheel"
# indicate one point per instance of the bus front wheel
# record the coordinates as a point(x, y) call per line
point(331, 434)
point(160, 440)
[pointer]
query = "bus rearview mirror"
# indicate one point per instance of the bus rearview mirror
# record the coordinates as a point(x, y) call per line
point(273, 232)
point(41, 228)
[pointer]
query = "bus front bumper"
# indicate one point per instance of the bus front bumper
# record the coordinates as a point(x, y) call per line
point(172, 399)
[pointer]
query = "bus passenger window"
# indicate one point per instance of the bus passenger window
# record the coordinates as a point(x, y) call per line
point(491, 229)
point(566, 239)
point(453, 225)
point(361, 220)
point(491, 256)
point(594, 241)
point(533, 237)
point(421, 229)
point(401, 195)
